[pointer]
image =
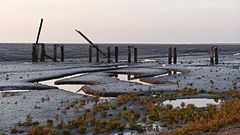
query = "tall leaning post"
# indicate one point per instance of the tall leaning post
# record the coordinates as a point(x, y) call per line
point(90, 54)
point(216, 55)
point(135, 55)
point(43, 53)
point(97, 55)
point(54, 53)
point(35, 47)
point(109, 54)
point(212, 56)
point(174, 55)
point(170, 55)
point(129, 54)
point(62, 53)
point(116, 54)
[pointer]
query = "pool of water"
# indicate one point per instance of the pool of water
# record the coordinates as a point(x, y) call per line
point(75, 88)
point(198, 102)
point(130, 78)
point(13, 91)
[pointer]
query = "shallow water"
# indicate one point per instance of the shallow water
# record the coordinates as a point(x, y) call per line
point(130, 78)
point(198, 102)
point(68, 87)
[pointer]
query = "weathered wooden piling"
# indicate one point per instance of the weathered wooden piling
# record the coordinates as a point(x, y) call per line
point(174, 55)
point(90, 54)
point(109, 54)
point(169, 72)
point(34, 52)
point(212, 56)
point(54, 53)
point(170, 55)
point(128, 76)
point(116, 54)
point(135, 55)
point(62, 53)
point(129, 54)
point(216, 55)
point(97, 55)
point(43, 53)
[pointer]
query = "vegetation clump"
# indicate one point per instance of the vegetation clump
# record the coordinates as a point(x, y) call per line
point(133, 112)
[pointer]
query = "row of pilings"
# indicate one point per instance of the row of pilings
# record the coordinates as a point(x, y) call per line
point(39, 49)
point(109, 54)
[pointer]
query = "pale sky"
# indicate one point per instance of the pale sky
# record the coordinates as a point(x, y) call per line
point(158, 21)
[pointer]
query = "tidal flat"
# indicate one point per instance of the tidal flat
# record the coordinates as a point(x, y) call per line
point(147, 97)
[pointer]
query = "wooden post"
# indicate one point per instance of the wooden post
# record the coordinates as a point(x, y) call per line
point(109, 54)
point(37, 52)
point(90, 54)
point(135, 54)
point(43, 53)
point(62, 53)
point(174, 55)
point(34, 51)
point(97, 55)
point(212, 56)
point(129, 54)
point(170, 55)
point(35, 46)
point(128, 76)
point(216, 55)
point(39, 31)
point(169, 72)
point(55, 53)
point(116, 54)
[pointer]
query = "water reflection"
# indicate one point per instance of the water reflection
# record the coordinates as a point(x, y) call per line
point(198, 102)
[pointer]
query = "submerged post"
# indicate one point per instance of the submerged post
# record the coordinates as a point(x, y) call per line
point(174, 55)
point(135, 54)
point(55, 53)
point(97, 55)
point(216, 55)
point(129, 54)
point(90, 54)
point(43, 52)
point(116, 54)
point(109, 54)
point(170, 55)
point(62, 53)
point(212, 56)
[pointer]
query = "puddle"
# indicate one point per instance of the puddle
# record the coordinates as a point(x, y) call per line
point(148, 60)
point(198, 102)
point(68, 87)
point(236, 54)
point(130, 78)
point(170, 73)
point(13, 91)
